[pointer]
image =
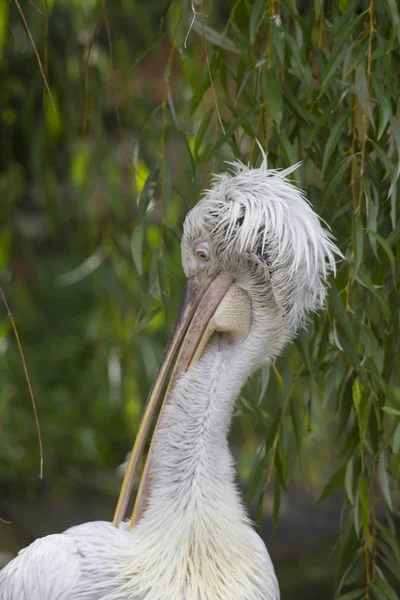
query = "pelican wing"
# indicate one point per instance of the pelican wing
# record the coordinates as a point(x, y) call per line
point(263, 553)
point(46, 570)
point(77, 564)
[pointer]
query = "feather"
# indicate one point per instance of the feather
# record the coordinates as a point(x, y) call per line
point(260, 213)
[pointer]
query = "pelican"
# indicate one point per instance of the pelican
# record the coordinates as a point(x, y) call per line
point(256, 258)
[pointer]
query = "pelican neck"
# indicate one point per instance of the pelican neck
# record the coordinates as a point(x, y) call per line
point(190, 455)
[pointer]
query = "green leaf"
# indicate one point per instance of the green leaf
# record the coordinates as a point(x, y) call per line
point(332, 68)
point(361, 90)
point(364, 416)
point(3, 22)
point(192, 76)
point(277, 502)
point(372, 209)
point(259, 510)
point(202, 129)
point(265, 375)
point(291, 4)
point(391, 411)
point(144, 321)
point(383, 104)
point(256, 476)
point(318, 4)
point(296, 105)
point(383, 157)
point(296, 426)
point(349, 479)
point(148, 193)
point(339, 50)
point(394, 16)
point(137, 247)
point(389, 536)
point(80, 165)
point(357, 393)
point(5, 249)
point(147, 49)
point(364, 505)
point(273, 430)
point(272, 90)
point(353, 595)
point(392, 194)
point(366, 282)
point(394, 236)
point(387, 558)
point(335, 177)
point(182, 135)
point(257, 14)
point(396, 440)
point(287, 149)
point(162, 281)
point(87, 267)
point(384, 480)
point(301, 69)
point(358, 244)
point(357, 516)
point(222, 139)
point(383, 586)
point(215, 38)
point(333, 139)
point(388, 251)
point(334, 483)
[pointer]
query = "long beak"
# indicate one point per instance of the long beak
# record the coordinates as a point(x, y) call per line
point(201, 298)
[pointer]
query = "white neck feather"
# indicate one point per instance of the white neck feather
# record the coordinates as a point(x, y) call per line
point(191, 462)
point(194, 541)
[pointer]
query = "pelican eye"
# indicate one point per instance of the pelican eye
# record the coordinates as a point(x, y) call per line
point(203, 253)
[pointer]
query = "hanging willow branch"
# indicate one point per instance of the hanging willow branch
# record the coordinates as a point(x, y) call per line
point(28, 31)
point(28, 381)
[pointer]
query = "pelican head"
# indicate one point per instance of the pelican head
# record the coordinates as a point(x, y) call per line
point(256, 226)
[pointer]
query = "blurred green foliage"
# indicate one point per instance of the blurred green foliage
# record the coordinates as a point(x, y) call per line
point(93, 195)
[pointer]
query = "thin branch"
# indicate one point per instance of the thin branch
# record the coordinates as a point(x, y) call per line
point(365, 118)
point(195, 14)
point(36, 7)
point(36, 52)
point(209, 68)
point(28, 381)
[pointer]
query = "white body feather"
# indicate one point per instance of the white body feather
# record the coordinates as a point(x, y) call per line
point(194, 541)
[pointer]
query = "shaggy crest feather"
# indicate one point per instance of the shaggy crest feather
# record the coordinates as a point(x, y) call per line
point(258, 212)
